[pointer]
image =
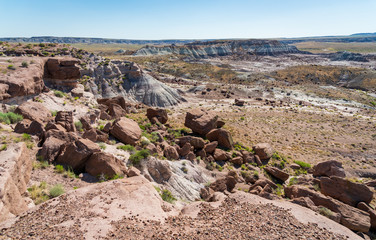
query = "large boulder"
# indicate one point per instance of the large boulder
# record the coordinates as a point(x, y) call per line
point(372, 213)
point(222, 136)
point(352, 218)
point(220, 155)
point(263, 150)
point(104, 163)
point(126, 130)
point(345, 190)
point(279, 174)
point(171, 153)
point(55, 139)
point(210, 147)
point(224, 184)
point(157, 114)
point(30, 127)
point(201, 121)
point(62, 72)
point(34, 111)
point(159, 170)
point(65, 119)
point(196, 142)
point(329, 168)
point(116, 111)
point(75, 154)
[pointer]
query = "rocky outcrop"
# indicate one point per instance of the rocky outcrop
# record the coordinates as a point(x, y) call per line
point(104, 163)
point(353, 218)
point(200, 121)
point(222, 48)
point(61, 72)
point(279, 174)
point(263, 150)
point(65, 119)
point(126, 130)
point(23, 81)
point(155, 115)
point(15, 172)
point(328, 169)
point(222, 136)
point(75, 154)
point(345, 190)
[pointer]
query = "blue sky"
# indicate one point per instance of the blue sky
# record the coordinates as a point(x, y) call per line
point(190, 19)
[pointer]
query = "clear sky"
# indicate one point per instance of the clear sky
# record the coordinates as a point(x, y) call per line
point(189, 19)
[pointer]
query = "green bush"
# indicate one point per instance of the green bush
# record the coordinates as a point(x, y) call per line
point(11, 67)
point(325, 212)
point(303, 164)
point(10, 117)
point(56, 190)
point(127, 147)
point(26, 137)
point(25, 64)
point(3, 147)
point(167, 196)
point(79, 126)
point(102, 146)
point(59, 169)
point(59, 94)
point(138, 156)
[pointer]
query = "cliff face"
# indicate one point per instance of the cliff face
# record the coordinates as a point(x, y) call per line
point(222, 48)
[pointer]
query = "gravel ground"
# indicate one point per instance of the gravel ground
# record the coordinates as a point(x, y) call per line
point(230, 221)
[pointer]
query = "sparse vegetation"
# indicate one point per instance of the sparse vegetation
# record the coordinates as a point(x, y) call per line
point(325, 212)
point(127, 147)
point(136, 157)
point(56, 191)
point(10, 117)
point(11, 67)
point(79, 126)
point(38, 193)
point(3, 147)
point(102, 145)
point(167, 196)
point(303, 164)
point(25, 64)
point(59, 94)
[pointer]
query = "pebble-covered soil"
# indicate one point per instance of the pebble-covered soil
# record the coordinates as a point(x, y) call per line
point(230, 221)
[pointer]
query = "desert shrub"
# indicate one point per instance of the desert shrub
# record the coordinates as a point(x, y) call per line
point(25, 64)
point(127, 147)
point(256, 174)
point(54, 113)
point(117, 176)
point(78, 126)
point(303, 164)
point(59, 94)
point(42, 45)
point(69, 173)
point(56, 190)
point(38, 193)
point(26, 137)
point(293, 181)
point(325, 212)
point(40, 164)
point(102, 146)
point(138, 156)
point(3, 147)
point(59, 169)
point(12, 117)
point(11, 67)
point(167, 196)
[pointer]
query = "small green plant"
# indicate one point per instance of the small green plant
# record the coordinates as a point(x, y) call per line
point(317, 187)
point(59, 94)
point(136, 158)
point(303, 164)
point(102, 145)
point(293, 181)
point(101, 127)
point(54, 113)
point(117, 176)
point(325, 212)
point(219, 167)
point(167, 196)
point(3, 147)
point(242, 118)
point(256, 174)
point(11, 67)
point(26, 137)
point(10, 117)
point(56, 190)
point(184, 169)
point(79, 126)
point(127, 147)
point(279, 190)
point(243, 167)
point(25, 64)
point(69, 173)
point(59, 169)
point(38, 193)
point(40, 164)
